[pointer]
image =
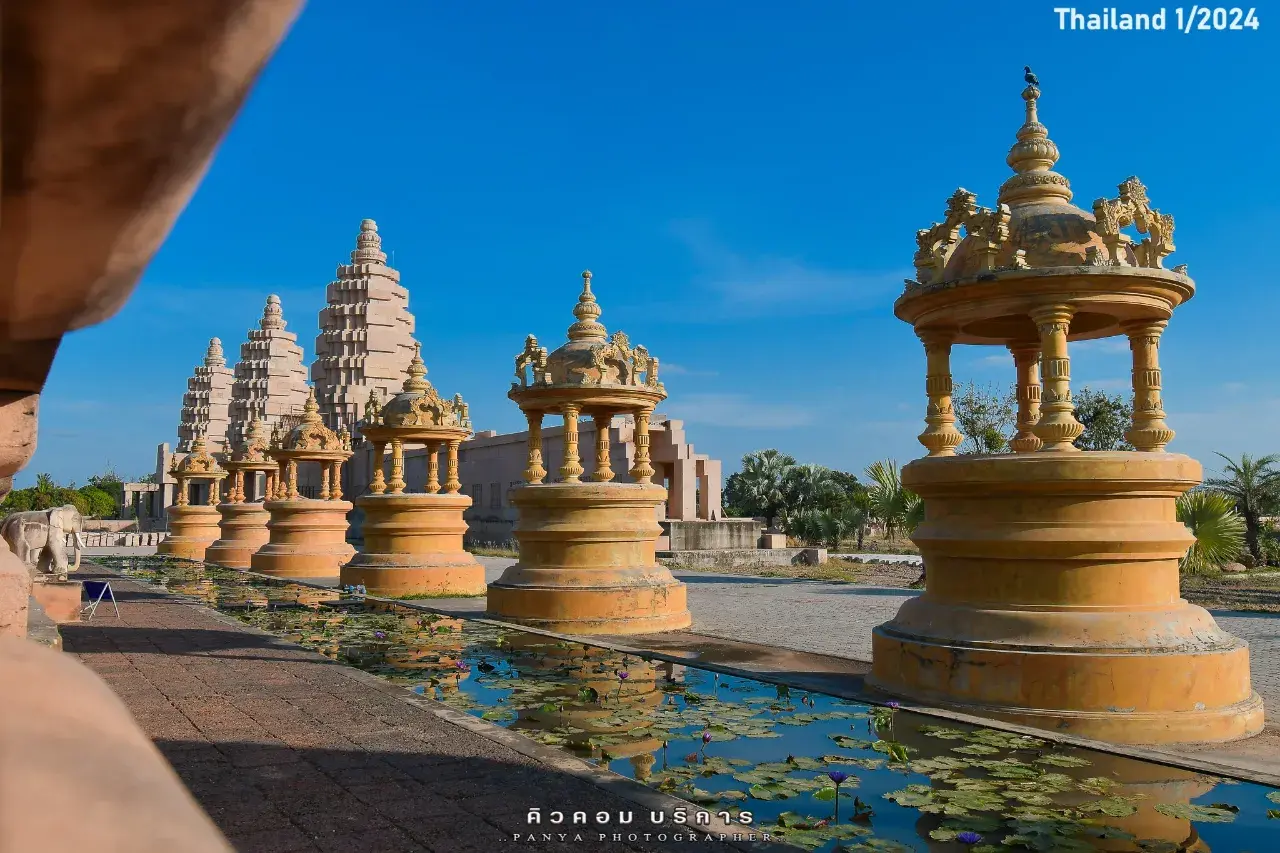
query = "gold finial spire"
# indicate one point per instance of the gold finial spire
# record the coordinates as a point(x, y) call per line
point(311, 409)
point(416, 383)
point(587, 312)
point(1032, 158)
point(257, 436)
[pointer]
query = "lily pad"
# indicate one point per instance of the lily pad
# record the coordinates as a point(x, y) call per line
point(1111, 806)
point(850, 742)
point(1063, 760)
point(1199, 814)
point(942, 733)
point(975, 749)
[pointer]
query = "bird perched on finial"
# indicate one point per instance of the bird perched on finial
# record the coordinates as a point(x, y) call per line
point(1032, 80)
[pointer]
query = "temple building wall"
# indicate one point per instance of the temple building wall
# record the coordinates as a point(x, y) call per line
point(270, 378)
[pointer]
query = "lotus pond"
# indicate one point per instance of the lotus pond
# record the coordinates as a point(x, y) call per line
point(816, 772)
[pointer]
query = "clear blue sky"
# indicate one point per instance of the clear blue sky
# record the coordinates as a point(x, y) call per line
point(745, 179)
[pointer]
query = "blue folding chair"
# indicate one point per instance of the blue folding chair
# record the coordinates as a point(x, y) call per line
point(95, 591)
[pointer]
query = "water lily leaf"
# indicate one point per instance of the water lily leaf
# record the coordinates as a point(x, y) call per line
point(942, 733)
point(732, 795)
point(1274, 796)
point(770, 791)
point(1112, 806)
point(828, 793)
point(803, 762)
point(975, 749)
point(912, 796)
point(1097, 785)
point(500, 714)
point(788, 819)
point(850, 742)
point(881, 845)
point(1063, 760)
point(1273, 814)
point(974, 823)
point(1199, 814)
point(853, 761)
point(756, 777)
point(1153, 845)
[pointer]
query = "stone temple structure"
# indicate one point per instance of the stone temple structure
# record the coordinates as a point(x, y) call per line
point(270, 378)
point(206, 407)
point(587, 549)
point(1052, 593)
point(366, 334)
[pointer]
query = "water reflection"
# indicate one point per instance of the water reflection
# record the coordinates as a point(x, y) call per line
point(728, 743)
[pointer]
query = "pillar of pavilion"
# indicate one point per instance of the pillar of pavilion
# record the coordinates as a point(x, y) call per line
point(193, 527)
point(1052, 597)
point(243, 512)
point(413, 541)
point(587, 547)
point(308, 536)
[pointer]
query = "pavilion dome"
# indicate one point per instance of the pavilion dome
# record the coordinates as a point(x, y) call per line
point(257, 442)
point(199, 462)
point(312, 434)
point(1034, 224)
point(419, 404)
point(592, 356)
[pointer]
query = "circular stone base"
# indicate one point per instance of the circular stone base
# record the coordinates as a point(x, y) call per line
point(308, 540)
point(1052, 600)
point(413, 546)
point(244, 531)
point(587, 562)
point(192, 529)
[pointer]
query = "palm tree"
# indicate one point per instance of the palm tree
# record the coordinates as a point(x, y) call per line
point(762, 482)
point(806, 487)
point(1218, 528)
point(898, 507)
point(1254, 486)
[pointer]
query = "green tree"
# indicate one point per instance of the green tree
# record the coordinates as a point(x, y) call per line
point(985, 416)
point(1105, 417)
point(827, 527)
point(899, 508)
point(808, 487)
point(1219, 530)
point(1253, 484)
point(757, 490)
point(101, 503)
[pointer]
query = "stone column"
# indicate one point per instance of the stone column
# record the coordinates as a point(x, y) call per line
point(603, 472)
point(641, 471)
point(324, 481)
point(180, 499)
point(272, 486)
point(1057, 427)
point(535, 473)
point(378, 484)
point(214, 490)
point(292, 470)
point(335, 482)
point(396, 483)
point(452, 484)
point(1149, 432)
point(1026, 364)
point(571, 471)
point(683, 490)
point(237, 488)
point(940, 437)
point(433, 467)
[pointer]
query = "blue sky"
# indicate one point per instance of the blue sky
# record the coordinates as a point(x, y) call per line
point(745, 180)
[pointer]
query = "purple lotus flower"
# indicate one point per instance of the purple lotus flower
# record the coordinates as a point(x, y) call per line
point(968, 837)
point(706, 737)
point(461, 665)
point(623, 675)
point(894, 705)
point(838, 777)
point(381, 635)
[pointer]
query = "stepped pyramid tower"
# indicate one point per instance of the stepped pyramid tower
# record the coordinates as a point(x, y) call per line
point(206, 405)
point(366, 334)
point(270, 378)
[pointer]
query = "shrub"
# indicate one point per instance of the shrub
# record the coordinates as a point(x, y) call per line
point(1218, 528)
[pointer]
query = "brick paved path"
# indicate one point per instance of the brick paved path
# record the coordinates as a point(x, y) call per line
point(288, 751)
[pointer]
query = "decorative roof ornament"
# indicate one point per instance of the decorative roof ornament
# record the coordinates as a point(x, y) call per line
point(256, 444)
point(373, 409)
point(199, 462)
point(1034, 225)
point(591, 356)
point(272, 314)
point(312, 434)
point(1032, 158)
point(420, 404)
point(213, 357)
point(368, 245)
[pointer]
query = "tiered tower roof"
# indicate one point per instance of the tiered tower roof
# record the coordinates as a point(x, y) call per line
point(270, 378)
point(366, 334)
point(206, 405)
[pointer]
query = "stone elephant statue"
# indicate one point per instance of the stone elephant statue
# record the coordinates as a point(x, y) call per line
point(39, 538)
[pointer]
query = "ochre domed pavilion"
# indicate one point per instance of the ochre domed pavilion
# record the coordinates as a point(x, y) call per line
point(308, 536)
point(244, 522)
point(413, 541)
point(1052, 592)
point(587, 549)
point(193, 527)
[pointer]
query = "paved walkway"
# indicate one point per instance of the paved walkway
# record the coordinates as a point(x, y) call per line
point(288, 751)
